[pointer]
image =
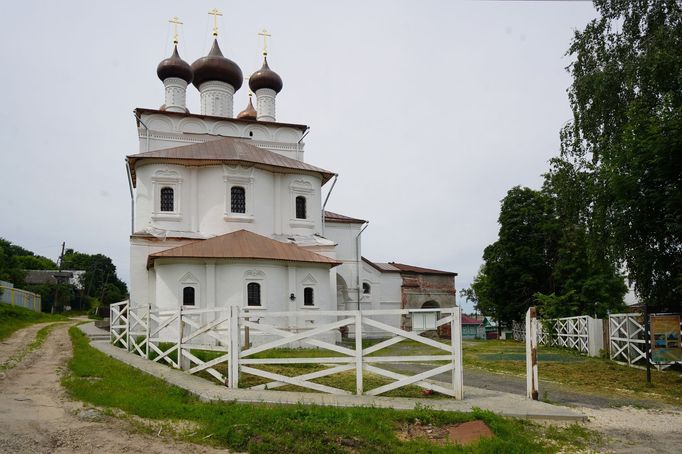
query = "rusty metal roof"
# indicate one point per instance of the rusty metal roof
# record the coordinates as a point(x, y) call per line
point(419, 270)
point(228, 149)
point(242, 244)
point(336, 217)
point(143, 110)
point(381, 267)
point(393, 267)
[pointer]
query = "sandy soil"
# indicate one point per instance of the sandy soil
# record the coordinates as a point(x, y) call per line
point(634, 430)
point(37, 417)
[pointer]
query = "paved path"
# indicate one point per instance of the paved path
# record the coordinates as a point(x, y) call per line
point(495, 401)
point(549, 391)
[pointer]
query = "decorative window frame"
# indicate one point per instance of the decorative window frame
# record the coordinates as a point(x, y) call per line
point(167, 179)
point(257, 277)
point(309, 281)
point(301, 187)
point(242, 177)
point(189, 280)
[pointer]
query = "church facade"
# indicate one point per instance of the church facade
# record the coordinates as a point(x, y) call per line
point(226, 210)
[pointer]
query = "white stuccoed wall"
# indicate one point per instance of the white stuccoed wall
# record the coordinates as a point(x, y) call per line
point(167, 131)
point(385, 287)
point(230, 278)
point(176, 94)
point(265, 104)
point(203, 200)
point(217, 99)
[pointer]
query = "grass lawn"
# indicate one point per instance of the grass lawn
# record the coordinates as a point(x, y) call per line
point(581, 373)
point(259, 428)
point(13, 318)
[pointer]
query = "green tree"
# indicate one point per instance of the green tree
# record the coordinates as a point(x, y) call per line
point(519, 264)
point(622, 148)
point(100, 279)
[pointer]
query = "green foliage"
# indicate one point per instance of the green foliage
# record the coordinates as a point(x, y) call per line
point(620, 167)
point(100, 279)
point(542, 258)
point(103, 381)
point(518, 264)
point(13, 318)
point(14, 260)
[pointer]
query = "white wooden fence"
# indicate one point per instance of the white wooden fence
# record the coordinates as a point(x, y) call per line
point(626, 340)
point(582, 333)
point(182, 337)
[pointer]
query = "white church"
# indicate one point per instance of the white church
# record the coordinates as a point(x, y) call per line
point(226, 210)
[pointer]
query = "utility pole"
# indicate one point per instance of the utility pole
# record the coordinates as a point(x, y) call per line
point(56, 291)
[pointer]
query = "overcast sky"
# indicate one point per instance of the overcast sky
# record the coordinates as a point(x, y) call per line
point(429, 111)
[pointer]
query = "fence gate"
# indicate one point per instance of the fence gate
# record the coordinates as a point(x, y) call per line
point(201, 339)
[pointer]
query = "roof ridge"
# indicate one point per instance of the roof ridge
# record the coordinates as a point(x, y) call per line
point(242, 244)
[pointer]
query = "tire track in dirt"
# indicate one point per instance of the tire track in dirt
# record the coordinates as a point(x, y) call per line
point(36, 415)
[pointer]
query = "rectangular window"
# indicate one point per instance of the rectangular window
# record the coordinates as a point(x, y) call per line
point(167, 199)
point(253, 294)
point(308, 298)
point(300, 207)
point(237, 199)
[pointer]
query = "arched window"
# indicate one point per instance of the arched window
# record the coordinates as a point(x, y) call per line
point(253, 294)
point(188, 296)
point(167, 197)
point(300, 207)
point(308, 298)
point(237, 199)
point(366, 288)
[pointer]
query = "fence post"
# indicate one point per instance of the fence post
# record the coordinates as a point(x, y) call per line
point(532, 354)
point(127, 310)
point(234, 347)
point(148, 331)
point(180, 361)
point(358, 353)
point(456, 347)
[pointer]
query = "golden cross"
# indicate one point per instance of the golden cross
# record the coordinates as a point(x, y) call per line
point(265, 36)
point(215, 13)
point(175, 21)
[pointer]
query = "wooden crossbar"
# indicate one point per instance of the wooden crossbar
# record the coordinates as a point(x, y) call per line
point(306, 377)
point(187, 354)
point(409, 335)
point(409, 380)
point(269, 329)
point(293, 381)
point(421, 384)
point(295, 337)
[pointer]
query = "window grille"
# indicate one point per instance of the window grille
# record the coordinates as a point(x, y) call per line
point(308, 296)
point(167, 197)
point(253, 294)
point(188, 296)
point(300, 208)
point(238, 199)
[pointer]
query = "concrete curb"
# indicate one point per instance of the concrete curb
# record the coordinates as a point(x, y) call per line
point(497, 402)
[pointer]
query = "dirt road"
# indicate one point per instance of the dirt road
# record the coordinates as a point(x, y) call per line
point(37, 417)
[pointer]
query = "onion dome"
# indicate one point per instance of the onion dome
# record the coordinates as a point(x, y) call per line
point(174, 66)
point(216, 67)
point(249, 113)
point(265, 78)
